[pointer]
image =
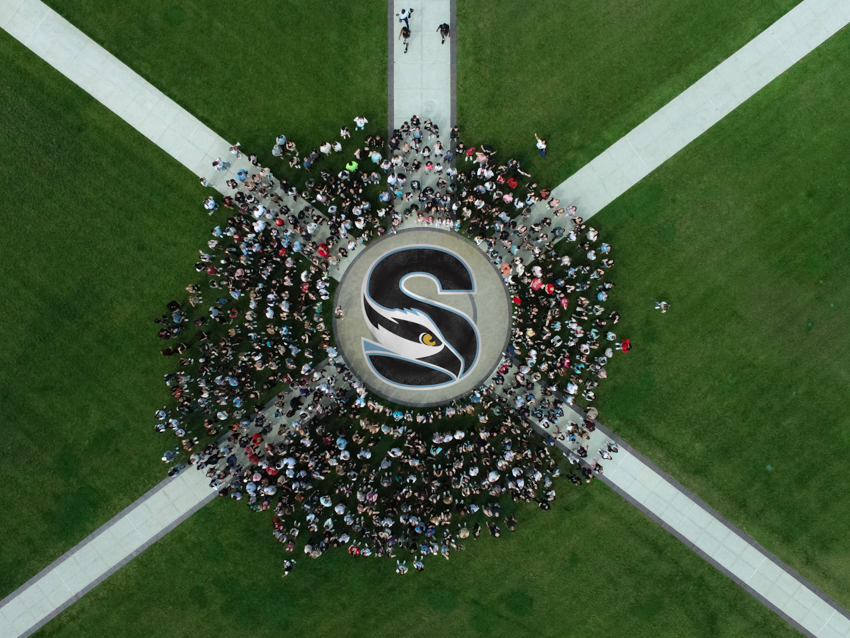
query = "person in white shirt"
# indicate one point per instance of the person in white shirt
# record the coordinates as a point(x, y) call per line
point(404, 16)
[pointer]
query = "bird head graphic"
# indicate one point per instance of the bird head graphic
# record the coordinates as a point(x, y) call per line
point(418, 342)
point(412, 335)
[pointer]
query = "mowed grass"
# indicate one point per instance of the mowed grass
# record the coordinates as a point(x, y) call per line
point(100, 230)
point(593, 564)
point(252, 71)
point(740, 390)
point(583, 73)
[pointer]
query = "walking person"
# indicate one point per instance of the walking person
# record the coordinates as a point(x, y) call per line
point(404, 16)
point(445, 32)
point(541, 145)
point(404, 36)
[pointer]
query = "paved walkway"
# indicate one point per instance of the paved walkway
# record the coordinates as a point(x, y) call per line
point(714, 538)
point(115, 85)
point(123, 538)
point(702, 529)
point(108, 549)
point(702, 105)
point(422, 83)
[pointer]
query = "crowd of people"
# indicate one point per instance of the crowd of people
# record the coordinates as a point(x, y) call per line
point(266, 407)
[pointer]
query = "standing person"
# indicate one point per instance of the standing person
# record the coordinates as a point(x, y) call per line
point(404, 16)
point(445, 32)
point(361, 122)
point(404, 36)
point(541, 145)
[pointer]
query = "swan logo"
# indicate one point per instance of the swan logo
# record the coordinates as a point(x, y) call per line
point(418, 343)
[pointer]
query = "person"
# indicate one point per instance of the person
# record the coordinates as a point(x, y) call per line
point(404, 36)
point(541, 145)
point(663, 306)
point(361, 122)
point(396, 489)
point(404, 16)
point(445, 32)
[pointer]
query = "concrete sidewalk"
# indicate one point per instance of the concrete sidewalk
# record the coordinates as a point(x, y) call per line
point(112, 546)
point(701, 106)
point(422, 81)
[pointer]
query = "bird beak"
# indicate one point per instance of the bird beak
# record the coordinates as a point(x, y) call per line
point(448, 360)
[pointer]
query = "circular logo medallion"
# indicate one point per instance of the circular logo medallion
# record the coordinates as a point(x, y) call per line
point(426, 317)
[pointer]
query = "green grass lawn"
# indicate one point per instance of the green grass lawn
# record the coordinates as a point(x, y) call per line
point(583, 73)
point(251, 72)
point(739, 391)
point(593, 565)
point(100, 230)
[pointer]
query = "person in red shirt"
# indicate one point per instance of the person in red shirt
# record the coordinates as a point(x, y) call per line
point(625, 345)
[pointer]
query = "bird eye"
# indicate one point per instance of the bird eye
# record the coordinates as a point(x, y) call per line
point(428, 339)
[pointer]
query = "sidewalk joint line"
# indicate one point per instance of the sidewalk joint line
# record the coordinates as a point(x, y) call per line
point(629, 142)
point(755, 571)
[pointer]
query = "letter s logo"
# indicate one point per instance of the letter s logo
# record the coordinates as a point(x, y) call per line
point(418, 343)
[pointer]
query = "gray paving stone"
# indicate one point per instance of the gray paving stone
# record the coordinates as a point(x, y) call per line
point(699, 516)
point(6, 628)
point(72, 574)
point(718, 530)
point(742, 569)
point(788, 584)
point(770, 571)
point(759, 583)
point(23, 622)
point(672, 516)
point(725, 556)
point(819, 613)
point(839, 625)
point(734, 543)
point(778, 597)
point(649, 478)
point(707, 543)
point(829, 632)
point(666, 491)
point(683, 503)
point(752, 556)
point(807, 598)
point(622, 480)
point(655, 504)
point(690, 530)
